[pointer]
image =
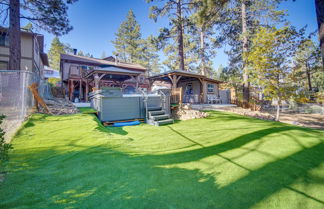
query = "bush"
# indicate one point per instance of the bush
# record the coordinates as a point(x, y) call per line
point(4, 147)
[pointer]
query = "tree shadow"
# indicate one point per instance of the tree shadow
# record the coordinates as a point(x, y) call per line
point(99, 177)
point(196, 154)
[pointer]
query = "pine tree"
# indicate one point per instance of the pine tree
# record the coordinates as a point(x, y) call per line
point(270, 53)
point(80, 53)
point(242, 19)
point(177, 12)
point(29, 27)
point(190, 51)
point(308, 65)
point(49, 15)
point(320, 21)
point(150, 57)
point(206, 18)
point(54, 53)
point(128, 43)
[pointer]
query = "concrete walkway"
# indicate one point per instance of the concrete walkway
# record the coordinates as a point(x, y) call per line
point(211, 106)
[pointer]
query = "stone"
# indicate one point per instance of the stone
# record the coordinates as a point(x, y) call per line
point(186, 113)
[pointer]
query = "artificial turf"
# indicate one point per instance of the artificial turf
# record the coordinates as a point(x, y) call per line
point(225, 161)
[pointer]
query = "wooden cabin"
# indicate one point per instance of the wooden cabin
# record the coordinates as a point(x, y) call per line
point(80, 75)
point(194, 88)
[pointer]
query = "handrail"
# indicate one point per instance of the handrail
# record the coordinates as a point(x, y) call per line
point(145, 102)
point(163, 99)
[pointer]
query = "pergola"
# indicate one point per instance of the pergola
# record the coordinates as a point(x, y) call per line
point(112, 73)
point(174, 77)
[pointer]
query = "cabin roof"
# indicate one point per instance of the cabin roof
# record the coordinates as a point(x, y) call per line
point(185, 74)
point(100, 62)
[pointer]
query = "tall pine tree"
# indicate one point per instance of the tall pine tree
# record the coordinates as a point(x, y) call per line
point(128, 42)
point(54, 53)
point(177, 12)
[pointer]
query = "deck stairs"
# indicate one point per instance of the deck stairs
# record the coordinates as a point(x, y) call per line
point(157, 116)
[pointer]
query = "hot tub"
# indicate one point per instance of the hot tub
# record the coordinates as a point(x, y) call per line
point(115, 106)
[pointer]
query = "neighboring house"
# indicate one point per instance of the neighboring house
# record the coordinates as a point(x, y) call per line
point(33, 57)
point(80, 75)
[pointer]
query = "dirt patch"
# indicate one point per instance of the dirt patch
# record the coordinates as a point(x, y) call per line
point(299, 119)
point(303, 119)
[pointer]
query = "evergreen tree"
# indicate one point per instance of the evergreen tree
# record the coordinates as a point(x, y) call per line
point(80, 53)
point(128, 43)
point(190, 50)
point(308, 65)
point(207, 15)
point(29, 27)
point(270, 53)
point(242, 19)
point(177, 12)
point(320, 21)
point(150, 58)
point(54, 53)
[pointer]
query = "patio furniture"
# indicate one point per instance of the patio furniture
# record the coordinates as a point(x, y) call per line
point(211, 99)
point(218, 100)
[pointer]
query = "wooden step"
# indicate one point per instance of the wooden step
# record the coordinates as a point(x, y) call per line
point(153, 113)
point(163, 122)
point(160, 117)
point(154, 108)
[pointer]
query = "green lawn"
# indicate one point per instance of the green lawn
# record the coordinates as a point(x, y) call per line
point(225, 161)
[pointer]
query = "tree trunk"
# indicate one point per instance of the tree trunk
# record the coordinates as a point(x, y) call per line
point(320, 21)
point(278, 111)
point(180, 35)
point(202, 51)
point(308, 77)
point(14, 35)
point(246, 84)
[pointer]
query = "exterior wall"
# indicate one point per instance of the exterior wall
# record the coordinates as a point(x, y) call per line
point(26, 46)
point(216, 89)
point(30, 55)
point(196, 91)
point(65, 70)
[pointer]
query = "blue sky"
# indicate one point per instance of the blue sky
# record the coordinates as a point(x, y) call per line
point(95, 23)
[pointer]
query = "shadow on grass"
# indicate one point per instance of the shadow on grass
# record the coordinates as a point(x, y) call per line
point(99, 176)
point(238, 142)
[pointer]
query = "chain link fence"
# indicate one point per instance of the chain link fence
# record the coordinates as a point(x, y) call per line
point(16, 101)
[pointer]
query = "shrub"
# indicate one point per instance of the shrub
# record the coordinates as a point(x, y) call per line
point(4, 147)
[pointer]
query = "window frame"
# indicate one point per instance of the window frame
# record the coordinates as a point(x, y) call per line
point(6, 63)
point(210, 86)
point(4, 36)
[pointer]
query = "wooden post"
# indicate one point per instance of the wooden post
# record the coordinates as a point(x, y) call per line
point(86, 91)
point(80, 90)
point(72, 90)
point(203, 91)
point(137, 82)
point(174, 81)
point(96, 80)
point(204, 99)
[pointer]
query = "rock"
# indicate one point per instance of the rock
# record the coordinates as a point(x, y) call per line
point(60, 106)
point(185, 113)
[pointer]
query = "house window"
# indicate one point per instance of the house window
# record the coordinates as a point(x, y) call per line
point(3, 65)
point(210, 88)
point(4, 39)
